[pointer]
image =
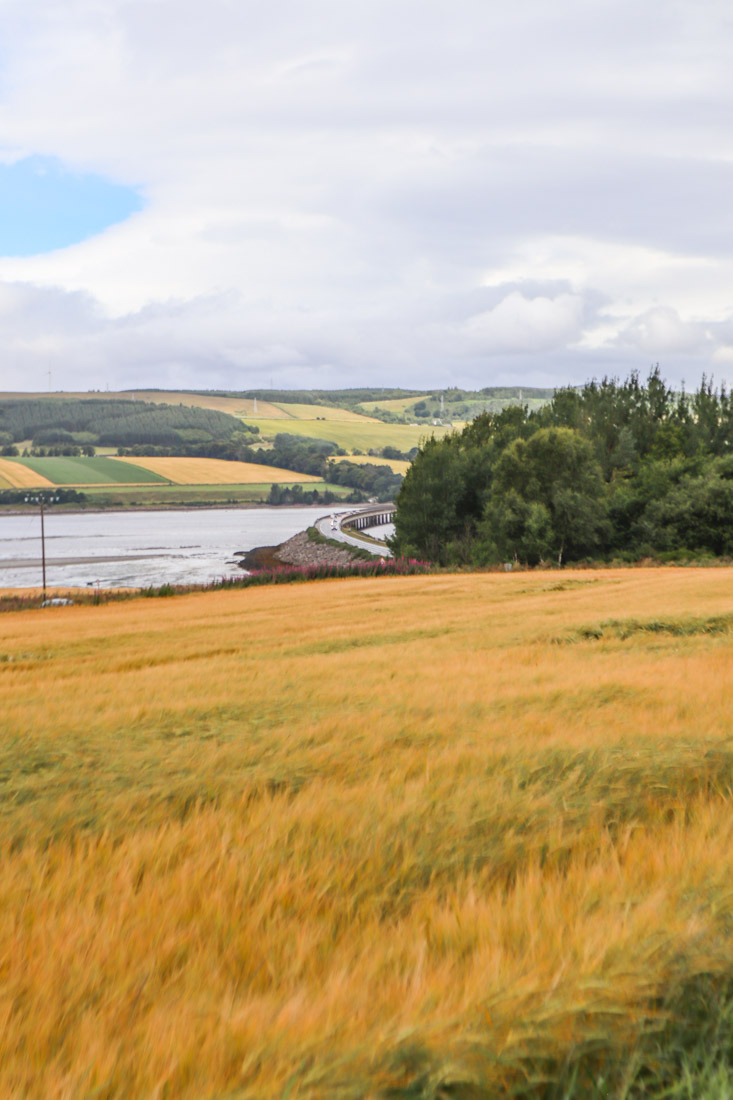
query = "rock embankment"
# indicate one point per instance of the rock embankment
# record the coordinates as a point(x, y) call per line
point(299, 550)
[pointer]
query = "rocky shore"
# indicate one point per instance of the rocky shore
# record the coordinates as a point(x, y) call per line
point(299, 550)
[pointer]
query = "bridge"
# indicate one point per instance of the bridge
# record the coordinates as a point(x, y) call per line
point(372, 516)
point(359, 519)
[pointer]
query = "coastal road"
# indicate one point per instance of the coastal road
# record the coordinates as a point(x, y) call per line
point(324, 527)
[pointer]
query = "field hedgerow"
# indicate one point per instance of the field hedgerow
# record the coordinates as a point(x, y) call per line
point(371, 840)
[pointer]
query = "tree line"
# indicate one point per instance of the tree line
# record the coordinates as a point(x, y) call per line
point(614, 469)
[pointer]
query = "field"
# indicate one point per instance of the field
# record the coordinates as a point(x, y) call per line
point(429, 837)
point(174, 496)
point(15, 475)
point(395, 404)
point(82, 471)
point(120, 473)
point(359, 434)
point(319, 412)
point(215, 471)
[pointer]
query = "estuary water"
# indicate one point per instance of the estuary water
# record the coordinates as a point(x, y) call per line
point(137, 549)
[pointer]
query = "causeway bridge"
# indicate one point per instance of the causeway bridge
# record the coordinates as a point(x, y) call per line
point(372, 516)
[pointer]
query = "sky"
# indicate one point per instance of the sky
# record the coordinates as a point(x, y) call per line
point(327, 193)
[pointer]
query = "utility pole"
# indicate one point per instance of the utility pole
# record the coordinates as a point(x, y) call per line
point(41, 500)
point(43, 551)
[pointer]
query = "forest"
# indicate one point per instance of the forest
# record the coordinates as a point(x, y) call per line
point(615, 470)
point(70, 422)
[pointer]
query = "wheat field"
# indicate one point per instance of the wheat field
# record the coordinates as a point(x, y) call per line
point(17, 476)
point(217, 471)
point(428, 837)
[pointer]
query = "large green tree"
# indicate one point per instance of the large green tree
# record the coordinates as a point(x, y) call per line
point(546, 500)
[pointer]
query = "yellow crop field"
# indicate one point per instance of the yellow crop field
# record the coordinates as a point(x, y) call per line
point(216, 471)
point(319, 412)
point(442, 836)
point(17, 476)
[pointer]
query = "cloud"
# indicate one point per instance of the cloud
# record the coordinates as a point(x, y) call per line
point(660, 331)
point(374, 191)
point(527, 324)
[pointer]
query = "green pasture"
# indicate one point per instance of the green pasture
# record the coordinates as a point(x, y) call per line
point(359, 434)
point(82, 471)
point(137, 496)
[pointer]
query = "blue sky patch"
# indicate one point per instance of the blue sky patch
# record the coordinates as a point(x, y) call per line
point(44, 206)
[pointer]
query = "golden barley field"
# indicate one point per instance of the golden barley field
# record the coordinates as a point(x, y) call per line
point(216, 471)
point(448, 836)
point(16, 476)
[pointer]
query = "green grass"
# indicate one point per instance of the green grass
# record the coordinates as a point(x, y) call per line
point(81, 471)
point(192, 495)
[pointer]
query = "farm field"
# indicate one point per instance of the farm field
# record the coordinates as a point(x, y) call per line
point(170, 495)
point(216, 471)
point(318, 412)
point(359, 434)
point(16, 475)
point(99, 470)
point(421, 837)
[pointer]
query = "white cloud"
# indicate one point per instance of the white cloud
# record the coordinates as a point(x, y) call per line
point(661, 330)
point(519, 324)
point(331, 187)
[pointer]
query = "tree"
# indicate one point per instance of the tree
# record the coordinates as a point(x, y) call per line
point(546, 499)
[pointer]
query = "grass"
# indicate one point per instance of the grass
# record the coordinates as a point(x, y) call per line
point(371, 838)
point(87, 471)
point(215, 471)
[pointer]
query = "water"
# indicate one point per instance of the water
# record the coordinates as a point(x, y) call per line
point(137, 549)
point(381, 531)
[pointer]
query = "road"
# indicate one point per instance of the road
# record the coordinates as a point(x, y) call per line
point(324, 526)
